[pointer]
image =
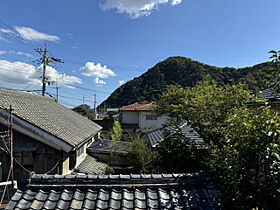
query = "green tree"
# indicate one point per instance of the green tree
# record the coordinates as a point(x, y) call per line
point(141, 157)
point(206, 106)
point(246, 168)
point(116, 133)
point(116, 136)
point(179, 154)
point(275, 70)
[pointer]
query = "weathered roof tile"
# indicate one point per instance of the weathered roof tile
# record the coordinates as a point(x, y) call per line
point(50, 116)
point(177, 191)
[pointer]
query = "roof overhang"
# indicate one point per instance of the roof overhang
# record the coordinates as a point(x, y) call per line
point(34, 132)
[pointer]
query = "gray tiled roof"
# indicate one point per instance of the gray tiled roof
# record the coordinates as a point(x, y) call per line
point(149, 191)
point(157, 136)
point(91, 166)
point(49, 115)
point(106, 146)
point(269, 94)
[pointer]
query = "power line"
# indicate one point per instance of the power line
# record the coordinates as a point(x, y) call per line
point(12, 35)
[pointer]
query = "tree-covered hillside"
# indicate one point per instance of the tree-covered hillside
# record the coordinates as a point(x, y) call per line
point(185, 72)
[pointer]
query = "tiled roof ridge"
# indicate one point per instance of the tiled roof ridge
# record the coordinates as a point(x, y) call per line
point(135, 107)
point(109, 181)
point(22, 93)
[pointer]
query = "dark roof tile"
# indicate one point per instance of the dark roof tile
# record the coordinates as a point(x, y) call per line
point(150, 191)
point(37, 204)
point(41, 195)
point(115, 204)
point(54, 196)
point(140, 204)
point(103, 195)
point(152, 194)
point(76, 204)
point(128, 195)
point(78, 195)
point(49, 205)
point(116, 195)
point(11, 204)
point(62, 204)
point(127, 204)
point(66, 195)
point(140, 195)
point(89, 204)
point(102, 204)
point(91, 195)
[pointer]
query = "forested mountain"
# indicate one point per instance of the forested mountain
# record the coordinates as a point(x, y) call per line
point(185, 72)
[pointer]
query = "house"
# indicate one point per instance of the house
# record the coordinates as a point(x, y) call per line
point(47, 137)
point(134, 191)
point(271, 97)
point(113, 153)
point(140, 116)
point(156, 136)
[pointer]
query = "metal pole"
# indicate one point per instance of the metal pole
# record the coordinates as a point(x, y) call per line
point(11, 144)
point(94, 106)
point(44, 70)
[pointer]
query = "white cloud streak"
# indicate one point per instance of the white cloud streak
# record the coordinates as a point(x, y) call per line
point(136, 8)
point(2, 52)
point(99, 81)
point(96, 70)
point(121, 82)
point(28, 34)
point(25, 54)
point(33, 35)
point(23, 75)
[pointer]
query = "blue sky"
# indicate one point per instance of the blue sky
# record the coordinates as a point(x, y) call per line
point(113, 41)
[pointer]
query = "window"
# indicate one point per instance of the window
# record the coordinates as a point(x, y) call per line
point(80, 153)
point(151, 117)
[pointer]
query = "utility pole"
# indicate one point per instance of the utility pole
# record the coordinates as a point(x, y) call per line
point(94, 107)
point(45, 60)
point(56, 92)
point(10, 143)
point(84, 103)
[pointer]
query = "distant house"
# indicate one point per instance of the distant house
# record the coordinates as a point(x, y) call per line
point(134, 191)
point(271, 97)
point(140, 116)
point(113, 153)
point(156, 136)
point(48, 137)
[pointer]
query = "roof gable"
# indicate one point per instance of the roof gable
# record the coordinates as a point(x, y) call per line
point(49, 115)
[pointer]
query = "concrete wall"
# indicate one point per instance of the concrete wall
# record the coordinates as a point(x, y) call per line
point(143, 123)
point(130, 117)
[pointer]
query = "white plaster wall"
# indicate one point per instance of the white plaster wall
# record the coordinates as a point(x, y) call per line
point(143, 123)
point(130, 117)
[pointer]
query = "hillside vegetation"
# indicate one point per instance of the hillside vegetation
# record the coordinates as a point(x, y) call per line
point(185, 72)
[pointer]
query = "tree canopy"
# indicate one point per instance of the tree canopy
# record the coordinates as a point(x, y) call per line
point(185, 72)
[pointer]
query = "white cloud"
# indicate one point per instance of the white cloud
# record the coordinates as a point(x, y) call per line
point(33, 35)
point(92, 70)
point(2, 52)
point(175, 2)
point(29, 34)
point(25, 54)
point(121, 82)
point(23, 75)
point(99, 81)
point(70, 35)
point(136, 8)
